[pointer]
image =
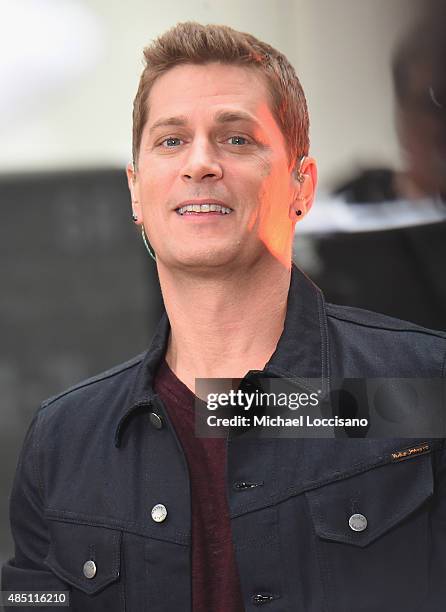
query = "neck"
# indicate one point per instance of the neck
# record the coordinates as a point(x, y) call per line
point(224, 324)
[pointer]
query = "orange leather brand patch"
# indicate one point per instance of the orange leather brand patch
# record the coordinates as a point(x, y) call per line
point(412, 451)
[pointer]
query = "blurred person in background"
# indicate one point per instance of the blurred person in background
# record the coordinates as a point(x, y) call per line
point(116, 499)
point(398, 216)
point(419, 82)
point(419, 77)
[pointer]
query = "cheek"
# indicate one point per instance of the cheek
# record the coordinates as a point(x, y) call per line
point(253, 178)
point(275, 184)
point(264, 168)
point(156, 186)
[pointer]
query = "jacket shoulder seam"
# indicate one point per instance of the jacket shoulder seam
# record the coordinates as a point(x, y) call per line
point(94, 379)
point(409, 327)
point(36, 452)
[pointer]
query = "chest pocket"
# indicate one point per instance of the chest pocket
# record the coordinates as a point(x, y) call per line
point(89, 559)
point(373, 529)
point(384, 496)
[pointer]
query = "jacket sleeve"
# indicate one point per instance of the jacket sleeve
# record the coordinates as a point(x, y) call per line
point(26, 571)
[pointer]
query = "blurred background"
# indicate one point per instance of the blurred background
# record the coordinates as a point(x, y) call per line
point(79, 292)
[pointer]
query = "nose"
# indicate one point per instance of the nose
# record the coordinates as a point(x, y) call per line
point(201, 163)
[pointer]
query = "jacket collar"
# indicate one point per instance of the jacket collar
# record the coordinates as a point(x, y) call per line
point(301, 352)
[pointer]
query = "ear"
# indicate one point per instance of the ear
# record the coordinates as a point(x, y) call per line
point(132, 180)
point(304, 187)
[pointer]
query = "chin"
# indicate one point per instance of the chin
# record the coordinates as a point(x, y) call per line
point(203, 259)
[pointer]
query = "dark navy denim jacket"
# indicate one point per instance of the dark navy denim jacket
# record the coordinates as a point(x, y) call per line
point(93, 465)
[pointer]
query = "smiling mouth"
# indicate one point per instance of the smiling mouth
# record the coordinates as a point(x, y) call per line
point(193, 209)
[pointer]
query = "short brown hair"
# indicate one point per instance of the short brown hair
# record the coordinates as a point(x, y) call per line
point(194, 43)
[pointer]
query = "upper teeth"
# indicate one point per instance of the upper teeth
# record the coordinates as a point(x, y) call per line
point(204, 208)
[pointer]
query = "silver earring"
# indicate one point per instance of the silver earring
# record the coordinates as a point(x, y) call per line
point(146, 243)
point(134, 217)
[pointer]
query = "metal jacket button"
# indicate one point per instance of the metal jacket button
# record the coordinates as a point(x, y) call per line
point(242, 486)
point(357, 522)
point(156, 420)
point(89, 569)
point(159, 513)
point(260, 598)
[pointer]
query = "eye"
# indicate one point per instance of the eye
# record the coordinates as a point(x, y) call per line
point(238, 140)
point(171, 142)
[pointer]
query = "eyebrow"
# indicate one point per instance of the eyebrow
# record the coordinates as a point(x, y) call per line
point(221, 117)
point(234, 116)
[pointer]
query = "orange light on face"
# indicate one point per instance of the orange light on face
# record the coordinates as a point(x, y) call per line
point(211, 134)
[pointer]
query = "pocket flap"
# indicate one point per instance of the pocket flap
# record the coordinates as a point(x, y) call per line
point(382, 497)
point(86, 557)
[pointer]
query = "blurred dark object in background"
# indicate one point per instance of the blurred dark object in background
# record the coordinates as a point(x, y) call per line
point(79, 294)
point(372, 185)
point(398, 272)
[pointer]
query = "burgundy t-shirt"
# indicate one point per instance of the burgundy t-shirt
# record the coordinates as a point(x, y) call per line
point(215, 579)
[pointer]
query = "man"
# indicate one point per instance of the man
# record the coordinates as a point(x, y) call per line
point(116, 499)
point(398, 215)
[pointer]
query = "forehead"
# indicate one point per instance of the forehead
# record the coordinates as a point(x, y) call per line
point(191, 89)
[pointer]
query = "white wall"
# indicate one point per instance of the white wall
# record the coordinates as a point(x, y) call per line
point(59, 111)
point(344, 49)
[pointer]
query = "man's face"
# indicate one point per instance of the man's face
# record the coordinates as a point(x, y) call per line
point(421, 127)
point(211, 139)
